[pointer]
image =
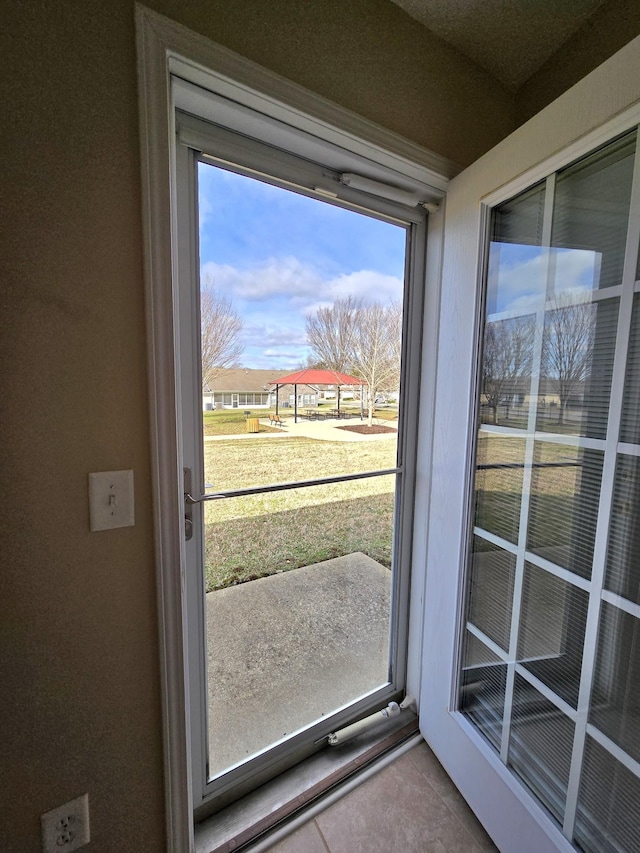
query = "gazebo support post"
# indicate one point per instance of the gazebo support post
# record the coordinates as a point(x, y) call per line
point(313, 378)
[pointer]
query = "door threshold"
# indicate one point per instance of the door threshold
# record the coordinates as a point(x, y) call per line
point(241, 824)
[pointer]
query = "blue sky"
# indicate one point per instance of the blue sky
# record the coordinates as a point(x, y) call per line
point(279, 256)
point(518, 275)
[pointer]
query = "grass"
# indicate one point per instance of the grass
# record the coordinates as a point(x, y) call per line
point(233, 421)
point(546, 421)
point(251, 543)
point(258, 535)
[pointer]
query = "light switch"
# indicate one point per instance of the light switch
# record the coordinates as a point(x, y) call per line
point(111, 499)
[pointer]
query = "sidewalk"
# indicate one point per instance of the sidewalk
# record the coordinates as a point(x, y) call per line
point(325, 430)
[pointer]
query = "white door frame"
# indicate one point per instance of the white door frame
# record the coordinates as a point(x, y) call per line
point(597, 109)
point(167, 50)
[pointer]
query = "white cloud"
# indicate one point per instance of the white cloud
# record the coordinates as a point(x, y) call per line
point(368, 285)
point(518, 285)
point(274, 336)
point(274, 353)
point(275, 296)
point(205, 209)
point(300, 283)
point(273, 277)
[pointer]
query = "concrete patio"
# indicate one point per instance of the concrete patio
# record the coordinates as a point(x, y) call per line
point(285, 650)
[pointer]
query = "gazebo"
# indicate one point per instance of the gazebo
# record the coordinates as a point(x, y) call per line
point(312, 376)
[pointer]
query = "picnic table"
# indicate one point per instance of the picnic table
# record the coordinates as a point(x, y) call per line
point(313, 414)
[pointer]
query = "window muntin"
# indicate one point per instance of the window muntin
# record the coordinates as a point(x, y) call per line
point(552, 606)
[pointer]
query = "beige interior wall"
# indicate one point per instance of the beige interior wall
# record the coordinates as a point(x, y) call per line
point(80, 690)
point(368, 56)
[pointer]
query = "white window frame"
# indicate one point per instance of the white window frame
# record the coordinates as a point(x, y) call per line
point(167, 50)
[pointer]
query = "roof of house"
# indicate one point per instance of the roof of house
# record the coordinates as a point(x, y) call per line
point(312, 376)
point(243, 379)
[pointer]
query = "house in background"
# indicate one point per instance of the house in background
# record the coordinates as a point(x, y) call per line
point(82, 704)
point(244, 387)
point(240, 387)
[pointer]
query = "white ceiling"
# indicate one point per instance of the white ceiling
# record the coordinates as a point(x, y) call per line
point(510, 39)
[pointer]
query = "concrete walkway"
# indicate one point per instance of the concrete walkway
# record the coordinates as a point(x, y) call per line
point(283, 651)
point(324, 430)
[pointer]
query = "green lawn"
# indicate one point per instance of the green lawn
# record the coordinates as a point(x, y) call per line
point(233, 421)
point(254, 536)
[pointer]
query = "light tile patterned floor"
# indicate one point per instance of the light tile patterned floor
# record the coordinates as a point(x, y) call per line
point(410, 806)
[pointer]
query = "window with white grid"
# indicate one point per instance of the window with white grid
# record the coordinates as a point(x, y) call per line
point(550, 670)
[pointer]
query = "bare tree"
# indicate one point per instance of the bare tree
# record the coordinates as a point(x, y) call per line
point(375, 350)
point(365, 340)
point(330, 334)
point(567, 347)
point(220, 332)
point(507, 359)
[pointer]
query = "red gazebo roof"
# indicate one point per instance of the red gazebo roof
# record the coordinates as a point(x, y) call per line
point(310, 376)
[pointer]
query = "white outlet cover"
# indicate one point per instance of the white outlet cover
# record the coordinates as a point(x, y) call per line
point(66, 828)
point(111, 500)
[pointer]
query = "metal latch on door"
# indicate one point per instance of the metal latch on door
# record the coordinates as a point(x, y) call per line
point(188, 505)
point(190, 501)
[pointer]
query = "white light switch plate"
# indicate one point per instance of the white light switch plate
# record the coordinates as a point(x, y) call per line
point(111, 499)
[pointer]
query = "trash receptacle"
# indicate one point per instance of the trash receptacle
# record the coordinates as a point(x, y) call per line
point(253, 425)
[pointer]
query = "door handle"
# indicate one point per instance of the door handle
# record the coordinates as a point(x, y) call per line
point(188, 505)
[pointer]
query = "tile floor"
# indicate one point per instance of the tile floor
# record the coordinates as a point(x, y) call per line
point(409, 806)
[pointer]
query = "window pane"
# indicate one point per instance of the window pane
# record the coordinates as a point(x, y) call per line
point(597, 183)
point(515, 272)
point(499, 469)
point(540, 746)
point(565, 490)
point(630, 424)
point(615, 701)
point(550, 339)
point(608, 805)
point(491, 592)
point(623, 552)
point(577, 365)
point(551, 636)
point(520, 219)
point(506, 371)
point(482, 692)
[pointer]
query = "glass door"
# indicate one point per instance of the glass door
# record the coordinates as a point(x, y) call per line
point(551, 652)
point(296, 319)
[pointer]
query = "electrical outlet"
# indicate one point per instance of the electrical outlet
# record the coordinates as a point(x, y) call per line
point(66, 828)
